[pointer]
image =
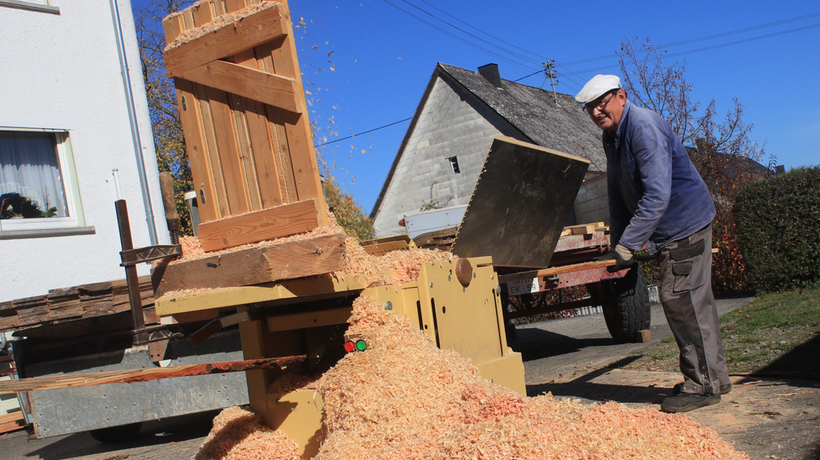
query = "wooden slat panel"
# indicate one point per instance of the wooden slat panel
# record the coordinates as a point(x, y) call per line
point(244, 34)
point(256, 265)
point(243, 117)
point(268, 224)
point(232, 171)
point(264, 87)
point(279, 135)
point(197, 150)
point(206, 119)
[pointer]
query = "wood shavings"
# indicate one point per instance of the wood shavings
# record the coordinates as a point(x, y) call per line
point(216, 24)
point(239, 435)
point(404, 398)
point(393, 268)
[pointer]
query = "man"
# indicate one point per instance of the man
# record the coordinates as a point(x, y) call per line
point(658, 200)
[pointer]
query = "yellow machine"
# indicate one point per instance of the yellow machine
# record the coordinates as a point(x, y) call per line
point(455, 302)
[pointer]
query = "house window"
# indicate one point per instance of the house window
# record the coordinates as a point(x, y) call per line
point(37, 181)
point(454, 165)
point(31, 5)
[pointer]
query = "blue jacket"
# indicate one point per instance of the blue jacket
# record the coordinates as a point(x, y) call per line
point(656, 195)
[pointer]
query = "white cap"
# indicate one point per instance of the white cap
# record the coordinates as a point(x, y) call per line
point(597, 87)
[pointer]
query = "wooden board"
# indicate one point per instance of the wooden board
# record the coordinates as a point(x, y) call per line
point(256, 265)
point(56, 382)
point(520, 204)
point(243, 111)
point(267, 224)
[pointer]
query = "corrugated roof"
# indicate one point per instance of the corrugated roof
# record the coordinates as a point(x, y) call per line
point(560, 126)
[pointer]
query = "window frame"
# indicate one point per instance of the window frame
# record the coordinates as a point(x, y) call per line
point(68, 173)
point(42, 6)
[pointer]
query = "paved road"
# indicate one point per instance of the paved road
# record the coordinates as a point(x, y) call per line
point(556, 349)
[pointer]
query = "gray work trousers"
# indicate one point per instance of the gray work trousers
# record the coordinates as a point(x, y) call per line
point(689, 305)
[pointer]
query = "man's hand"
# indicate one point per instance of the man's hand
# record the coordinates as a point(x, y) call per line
point(623, 256)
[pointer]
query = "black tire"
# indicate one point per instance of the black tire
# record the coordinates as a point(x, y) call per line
point(115, 434)
point(629, 312)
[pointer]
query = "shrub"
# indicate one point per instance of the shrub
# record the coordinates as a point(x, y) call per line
point(776, 222)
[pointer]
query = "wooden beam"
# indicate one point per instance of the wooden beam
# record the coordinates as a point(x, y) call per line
point(140, 375)
point(256, 265)
point(232, 38)
point(253, 227)
point(254, 84)
point(554, 271)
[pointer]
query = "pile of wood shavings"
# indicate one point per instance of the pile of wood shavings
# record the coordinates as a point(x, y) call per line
point(239, 435)
point(393, 268)
point(403, 398)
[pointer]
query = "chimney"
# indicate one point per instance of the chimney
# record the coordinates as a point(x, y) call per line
point(490, 73)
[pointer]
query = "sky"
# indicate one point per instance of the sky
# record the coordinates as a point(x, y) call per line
point(366, 64)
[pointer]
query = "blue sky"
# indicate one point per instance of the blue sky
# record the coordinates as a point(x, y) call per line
point(366, 64)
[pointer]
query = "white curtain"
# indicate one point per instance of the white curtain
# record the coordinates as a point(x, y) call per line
point(31, 168)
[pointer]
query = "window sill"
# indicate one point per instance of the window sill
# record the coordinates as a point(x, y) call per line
point(24, 5)
point(46, 233)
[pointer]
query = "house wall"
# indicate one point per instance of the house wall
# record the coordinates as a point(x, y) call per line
point(62, 71)
point(591, 203)
point(451, 123)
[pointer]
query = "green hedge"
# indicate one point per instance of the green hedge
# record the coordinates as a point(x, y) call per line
point(777, 227)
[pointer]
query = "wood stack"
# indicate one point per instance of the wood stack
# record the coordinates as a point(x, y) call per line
point(243, 110)
point(73, 303)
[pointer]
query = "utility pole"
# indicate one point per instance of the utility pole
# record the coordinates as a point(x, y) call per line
point(549, 72)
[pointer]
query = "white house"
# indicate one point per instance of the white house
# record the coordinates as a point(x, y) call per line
point(75, 136)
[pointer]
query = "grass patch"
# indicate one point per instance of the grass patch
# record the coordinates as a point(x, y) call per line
point(776, 333)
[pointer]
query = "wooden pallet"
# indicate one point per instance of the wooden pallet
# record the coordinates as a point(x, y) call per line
point(243, 111)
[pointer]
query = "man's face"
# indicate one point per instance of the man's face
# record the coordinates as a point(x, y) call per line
point(606, 111)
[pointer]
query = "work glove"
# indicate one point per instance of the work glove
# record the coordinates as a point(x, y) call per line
point(623, 256)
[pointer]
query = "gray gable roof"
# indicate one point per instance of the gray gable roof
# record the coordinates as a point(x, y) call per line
point(562, 127)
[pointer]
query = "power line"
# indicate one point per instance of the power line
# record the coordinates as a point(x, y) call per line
point(582, 61)
point(361, 133)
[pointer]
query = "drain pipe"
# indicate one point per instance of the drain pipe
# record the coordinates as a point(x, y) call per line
point(132, 118)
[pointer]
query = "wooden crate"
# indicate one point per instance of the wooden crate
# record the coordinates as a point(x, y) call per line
point(243, 111)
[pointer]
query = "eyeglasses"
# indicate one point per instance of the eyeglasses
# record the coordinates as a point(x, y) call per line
point(600, 106)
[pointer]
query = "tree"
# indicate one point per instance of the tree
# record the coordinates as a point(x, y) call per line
point(723, 153)
point(348, 213)
point(169, 139)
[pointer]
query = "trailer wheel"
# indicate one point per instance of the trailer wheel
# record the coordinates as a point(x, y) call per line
point(629, 311)
point(116, 434)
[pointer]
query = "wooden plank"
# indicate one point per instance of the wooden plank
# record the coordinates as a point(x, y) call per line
point(271, 89)
point(267, 224)
point(230, 38)
point(198, 150)
point(141, 375)
point(247, 142)
point(257, 265)
point(554, 271)
point(229, 156)
point(172, 26)
point(279, 135)
point(232, 6)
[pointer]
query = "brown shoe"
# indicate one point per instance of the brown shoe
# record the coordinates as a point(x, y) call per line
point(686, 402)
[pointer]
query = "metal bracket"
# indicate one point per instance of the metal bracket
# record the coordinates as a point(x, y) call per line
point(132, 257)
